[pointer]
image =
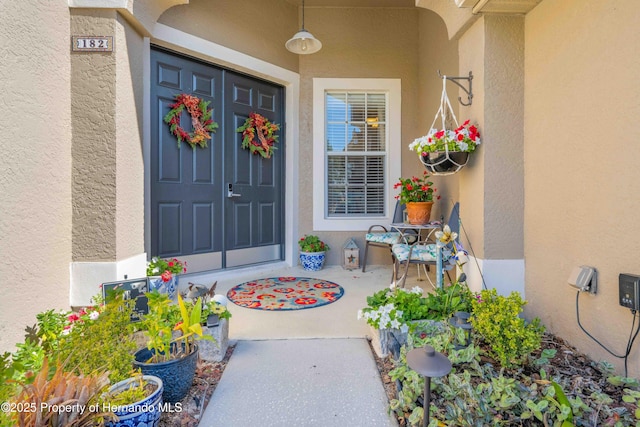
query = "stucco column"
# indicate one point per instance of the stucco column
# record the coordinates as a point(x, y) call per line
point(492, 185)
point(107, 162)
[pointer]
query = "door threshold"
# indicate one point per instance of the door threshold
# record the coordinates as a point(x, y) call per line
point(248, 271)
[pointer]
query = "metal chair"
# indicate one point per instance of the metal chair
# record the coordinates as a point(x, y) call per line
point(423, 253)
point(383, 237)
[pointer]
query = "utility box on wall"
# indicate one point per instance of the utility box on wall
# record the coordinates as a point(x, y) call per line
point(351, 255)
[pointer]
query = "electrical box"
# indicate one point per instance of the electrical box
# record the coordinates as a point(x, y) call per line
point(584, 278)
point(629, 287)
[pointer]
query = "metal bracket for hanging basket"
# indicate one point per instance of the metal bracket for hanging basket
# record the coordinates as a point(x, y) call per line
point(469, 91)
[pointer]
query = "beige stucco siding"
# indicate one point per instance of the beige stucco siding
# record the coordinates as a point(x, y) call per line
point(258, 28)
point(94, 141)
point(129, 136)
point(581, 165)
point(35, 183)
point(358, 43)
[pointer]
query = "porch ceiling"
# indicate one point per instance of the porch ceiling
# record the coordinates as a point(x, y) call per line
point(355, 3)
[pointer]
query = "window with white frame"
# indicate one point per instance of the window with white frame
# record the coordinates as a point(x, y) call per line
point(356, 152)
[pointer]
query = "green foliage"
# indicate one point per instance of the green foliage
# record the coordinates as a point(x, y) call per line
point(158, 326)
point(137, 390)
point(164, 318)
point(394, 307)
point(442, 339)
point(105, 344)
point(476, 395)
point(157, 266)
point(311, 243)
point(415, 189)
point(496, 318)
point(190, 325)
point(443, 302)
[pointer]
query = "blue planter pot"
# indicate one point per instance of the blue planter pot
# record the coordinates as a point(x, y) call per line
point(170, 288)
point(176, 374)
point(145, 413)
point(312, 261)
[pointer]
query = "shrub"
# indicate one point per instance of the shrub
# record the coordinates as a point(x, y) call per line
point(103, 344)
point(496, 318)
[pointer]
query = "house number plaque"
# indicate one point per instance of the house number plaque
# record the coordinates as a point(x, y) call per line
point(92, 43)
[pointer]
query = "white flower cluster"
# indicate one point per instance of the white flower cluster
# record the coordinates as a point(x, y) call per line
point(388, 316)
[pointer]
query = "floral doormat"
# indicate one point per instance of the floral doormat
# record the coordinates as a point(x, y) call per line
point(285, 293)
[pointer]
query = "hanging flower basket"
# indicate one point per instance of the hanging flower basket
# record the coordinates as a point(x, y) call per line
point(445, 151)
point(444, 163)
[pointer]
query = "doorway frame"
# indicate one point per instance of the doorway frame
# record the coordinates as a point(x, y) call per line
point(184, 43)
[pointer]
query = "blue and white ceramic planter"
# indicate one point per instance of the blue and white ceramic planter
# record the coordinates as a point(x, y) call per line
point(312, 261)
point(145, 413)
point(169, 288)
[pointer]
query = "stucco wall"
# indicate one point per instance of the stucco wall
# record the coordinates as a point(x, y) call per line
point(357, 43)
point(129, 155)
point(94, 141)
point(35, 217)
point(256, 27)
point(581, 165)
point(435, 53)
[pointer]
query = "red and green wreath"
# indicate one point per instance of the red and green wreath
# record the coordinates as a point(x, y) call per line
point(201, 120)
point(258, 135)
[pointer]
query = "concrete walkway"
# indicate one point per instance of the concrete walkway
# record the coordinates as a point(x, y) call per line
point(302, 368)
point(310, 383)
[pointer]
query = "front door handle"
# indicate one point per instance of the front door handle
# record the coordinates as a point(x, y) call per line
point(230, 193)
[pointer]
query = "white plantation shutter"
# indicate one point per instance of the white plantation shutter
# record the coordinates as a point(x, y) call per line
point(356, 150)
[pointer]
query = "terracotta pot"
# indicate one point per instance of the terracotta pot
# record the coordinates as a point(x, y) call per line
point(418, 212)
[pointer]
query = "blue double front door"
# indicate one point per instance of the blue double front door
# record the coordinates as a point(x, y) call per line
point(220, 206)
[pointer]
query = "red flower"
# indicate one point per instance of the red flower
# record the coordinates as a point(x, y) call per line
point(166, 276)
point(73, 317)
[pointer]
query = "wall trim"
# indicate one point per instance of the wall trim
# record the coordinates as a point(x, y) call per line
point(86, 277)
point(505, 275)
point(393, 87)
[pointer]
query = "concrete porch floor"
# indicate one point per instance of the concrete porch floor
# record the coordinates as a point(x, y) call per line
point(336, 320)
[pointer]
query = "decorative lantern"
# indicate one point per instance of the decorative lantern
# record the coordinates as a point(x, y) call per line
point(351, 255)
point(460, 320)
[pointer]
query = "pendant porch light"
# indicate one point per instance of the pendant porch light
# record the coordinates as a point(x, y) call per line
point(303, 42)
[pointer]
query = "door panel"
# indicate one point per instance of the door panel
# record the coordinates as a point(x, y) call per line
point(186, 194)
point(191, 216)
point(255, 217)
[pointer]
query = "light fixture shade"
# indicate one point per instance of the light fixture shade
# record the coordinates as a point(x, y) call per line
point(303, 43)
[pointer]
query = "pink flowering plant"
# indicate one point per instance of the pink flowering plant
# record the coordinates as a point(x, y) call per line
point(465, 138)
point(165, 268)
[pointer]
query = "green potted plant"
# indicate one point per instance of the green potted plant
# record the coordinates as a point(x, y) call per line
point(163, 274)
point(134, 401)
point(171, 358)
point(416, 193)
point(312, 252)
point(394, 311)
